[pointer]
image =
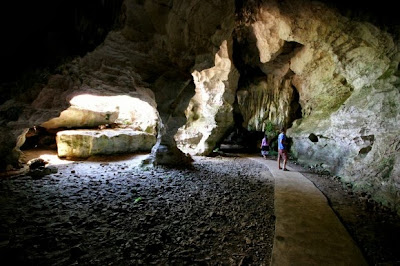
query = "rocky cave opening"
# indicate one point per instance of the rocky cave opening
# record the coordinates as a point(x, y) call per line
point(96, 125)
point(263, 85)
point(330, 77)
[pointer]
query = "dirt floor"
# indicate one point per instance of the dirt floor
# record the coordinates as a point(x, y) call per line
point(102, 212)
point(112, 211)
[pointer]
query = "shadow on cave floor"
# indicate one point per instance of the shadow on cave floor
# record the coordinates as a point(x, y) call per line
point(114, 213)
point(52, 155)
point(375, 229)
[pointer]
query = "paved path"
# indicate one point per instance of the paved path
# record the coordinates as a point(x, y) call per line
point(307, 231)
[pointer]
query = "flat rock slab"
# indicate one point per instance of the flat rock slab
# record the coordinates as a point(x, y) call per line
point(307, 231)
point(82, 143)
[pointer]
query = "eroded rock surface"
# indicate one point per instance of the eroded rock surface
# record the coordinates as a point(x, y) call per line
point(333, 79)
point(209, 114)
point(81, 143)
point(346, 75)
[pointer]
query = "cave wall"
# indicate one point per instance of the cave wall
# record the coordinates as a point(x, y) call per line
point(150, 56)
point(346, 73)
point(282, 57)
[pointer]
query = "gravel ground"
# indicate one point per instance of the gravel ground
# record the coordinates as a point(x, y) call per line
point(110, 211)
point(219, 212)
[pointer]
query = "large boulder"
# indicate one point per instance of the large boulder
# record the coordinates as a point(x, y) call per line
point(85, 143)
point(332, 79)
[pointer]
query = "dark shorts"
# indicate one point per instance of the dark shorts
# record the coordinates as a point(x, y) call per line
point(265, 148)
point(282, 153)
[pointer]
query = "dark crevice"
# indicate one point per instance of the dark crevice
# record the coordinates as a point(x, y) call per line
point(313, 138)
point(295, 107)
point(40, 138)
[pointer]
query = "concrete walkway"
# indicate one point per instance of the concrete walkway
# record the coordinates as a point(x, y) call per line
point(307, 231)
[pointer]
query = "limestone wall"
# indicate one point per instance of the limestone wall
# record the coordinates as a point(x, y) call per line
point(346, 73)
point(332, 79)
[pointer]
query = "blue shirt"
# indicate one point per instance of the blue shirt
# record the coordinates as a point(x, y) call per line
point(281, 138)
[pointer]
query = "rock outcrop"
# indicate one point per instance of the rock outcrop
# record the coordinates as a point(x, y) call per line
point(209, 114)
point(85, 143)
point(333, 80)
point(346, 74)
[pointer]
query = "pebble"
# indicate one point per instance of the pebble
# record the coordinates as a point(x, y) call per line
point(183, 215)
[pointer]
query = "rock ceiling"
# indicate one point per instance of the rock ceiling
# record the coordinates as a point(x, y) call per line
point(326, 73)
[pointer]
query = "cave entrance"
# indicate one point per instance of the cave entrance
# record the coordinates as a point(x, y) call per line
point(97, 125)
point(266, 99)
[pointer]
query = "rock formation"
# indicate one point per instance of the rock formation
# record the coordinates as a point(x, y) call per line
point(210, 110)
point(85, 143)
point(333, 80)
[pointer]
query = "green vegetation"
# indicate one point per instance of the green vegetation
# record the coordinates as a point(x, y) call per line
point(137, 200)
point(126, 122)
point(270, 129)
point(388, 73)
point(386, 167)
point(273, 153)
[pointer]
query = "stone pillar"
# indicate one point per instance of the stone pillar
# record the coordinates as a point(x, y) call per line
point(173, 92)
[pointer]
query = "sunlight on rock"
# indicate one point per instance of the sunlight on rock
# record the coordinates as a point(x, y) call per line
point(82, 143)
point(92, 110)
point(53, 159)
point(209, 113)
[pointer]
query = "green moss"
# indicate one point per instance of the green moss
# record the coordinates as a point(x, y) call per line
point(382, 187)
point(386, 167)
point(388, 73)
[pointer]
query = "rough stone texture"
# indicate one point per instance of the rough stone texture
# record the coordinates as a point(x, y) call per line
point(77, 117)
point(270, 100)
point(346, 75)
point(155, 50)
point(209, 114)
point(91, 110)
point(85, 143)
point(343, 73)
point(116, 213)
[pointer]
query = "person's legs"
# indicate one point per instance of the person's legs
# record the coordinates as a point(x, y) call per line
point(285, 156)
point(279, 158)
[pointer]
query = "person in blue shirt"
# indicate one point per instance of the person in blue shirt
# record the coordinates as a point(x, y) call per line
point(282, 149)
